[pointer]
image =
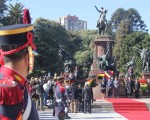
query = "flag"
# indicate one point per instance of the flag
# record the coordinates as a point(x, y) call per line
point(107, 74)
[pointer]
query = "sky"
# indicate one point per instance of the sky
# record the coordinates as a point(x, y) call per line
point(84, 9)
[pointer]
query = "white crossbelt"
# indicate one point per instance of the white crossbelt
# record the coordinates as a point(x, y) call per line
point(58, 100)
point(28, 108)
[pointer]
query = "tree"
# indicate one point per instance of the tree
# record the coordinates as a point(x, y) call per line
point(132, 15)
point(48, 36)
point(3, 8)
point(84, 56)
point(136, 39)
point(123, 30)
point(15, 13)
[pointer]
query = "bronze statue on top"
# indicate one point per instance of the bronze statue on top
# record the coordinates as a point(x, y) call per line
point(102, 22)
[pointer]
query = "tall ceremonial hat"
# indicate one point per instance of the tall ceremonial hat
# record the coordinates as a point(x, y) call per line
point(15, 38)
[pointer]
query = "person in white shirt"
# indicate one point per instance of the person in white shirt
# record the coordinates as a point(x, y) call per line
point(46, 87)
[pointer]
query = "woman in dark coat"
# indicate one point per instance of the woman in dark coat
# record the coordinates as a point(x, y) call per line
point(136, 87)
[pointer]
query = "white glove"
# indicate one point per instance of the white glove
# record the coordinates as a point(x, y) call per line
point(66, 110)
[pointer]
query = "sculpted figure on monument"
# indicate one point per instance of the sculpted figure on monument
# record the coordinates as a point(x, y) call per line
point(102, 22)
point(63, 55)
point(67, 66)
point(145, 58)
point(130, 63)
point(103, 61)
point(129, 67)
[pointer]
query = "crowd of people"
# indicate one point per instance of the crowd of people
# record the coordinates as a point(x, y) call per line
point(58, 91)
point(61, 92)
point(110, 88)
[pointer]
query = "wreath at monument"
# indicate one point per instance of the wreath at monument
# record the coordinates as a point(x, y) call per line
point(143, 86)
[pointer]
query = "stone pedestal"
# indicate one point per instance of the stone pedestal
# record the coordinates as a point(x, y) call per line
point(100, 48)
point(97, 92)
point(145, 75)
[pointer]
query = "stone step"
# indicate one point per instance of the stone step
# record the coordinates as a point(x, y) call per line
point(148, 106)
point(102, 105)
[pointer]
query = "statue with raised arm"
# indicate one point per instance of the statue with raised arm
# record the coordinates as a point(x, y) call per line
point(103, 61)
point(62, 53)
point(102, 22)
point(145, 58)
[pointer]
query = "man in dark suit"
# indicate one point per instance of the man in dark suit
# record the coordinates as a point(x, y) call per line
point(130, 87)
point(109, 87)
point(79, 98)
point(87, 97)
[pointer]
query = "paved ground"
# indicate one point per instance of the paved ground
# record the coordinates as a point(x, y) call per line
point(47, 115)
point(102, 115)
point(145, 100)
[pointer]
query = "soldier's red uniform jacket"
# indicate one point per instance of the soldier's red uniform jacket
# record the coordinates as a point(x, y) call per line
point(15, 100)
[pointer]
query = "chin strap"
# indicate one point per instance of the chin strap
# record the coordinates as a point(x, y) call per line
point(31, 61)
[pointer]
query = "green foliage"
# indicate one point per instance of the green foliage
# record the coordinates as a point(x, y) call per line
point(132, 15)
point(10, 14)
point(84, 56)
point(122, 31)
point(143, 87)
point(15, 13)
point(3, 8)
point(125, 23)
point(127, 51)
point(48, 36)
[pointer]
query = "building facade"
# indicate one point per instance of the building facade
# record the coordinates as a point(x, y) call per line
point(72, 23)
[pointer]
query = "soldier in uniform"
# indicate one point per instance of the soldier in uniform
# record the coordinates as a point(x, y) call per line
point(60, 104)
point(17, 60)
point(68, 94)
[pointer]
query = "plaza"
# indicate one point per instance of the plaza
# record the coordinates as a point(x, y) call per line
point(103, 111)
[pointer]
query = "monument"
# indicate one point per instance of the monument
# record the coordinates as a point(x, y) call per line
point(102, 50)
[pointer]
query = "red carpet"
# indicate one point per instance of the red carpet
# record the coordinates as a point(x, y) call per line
point(131, 109)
